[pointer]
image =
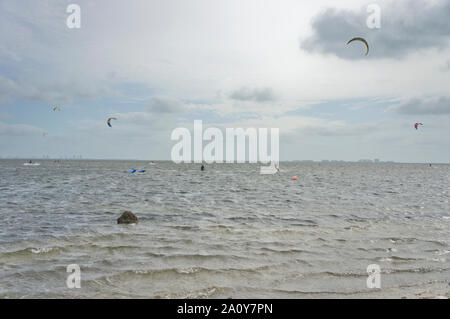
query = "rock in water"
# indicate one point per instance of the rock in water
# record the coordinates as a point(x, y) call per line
point(127, 218)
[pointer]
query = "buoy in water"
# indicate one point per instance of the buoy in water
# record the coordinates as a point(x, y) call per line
point(294, 178)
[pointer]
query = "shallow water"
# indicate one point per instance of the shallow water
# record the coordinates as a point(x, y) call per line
point(225, 232)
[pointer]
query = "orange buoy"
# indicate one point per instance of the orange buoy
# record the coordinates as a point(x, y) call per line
point(294, 178)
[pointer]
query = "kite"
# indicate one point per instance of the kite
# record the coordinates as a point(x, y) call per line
point(363, 41)
point(109, 121)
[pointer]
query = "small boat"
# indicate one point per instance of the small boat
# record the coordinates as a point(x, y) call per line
point(31, 164)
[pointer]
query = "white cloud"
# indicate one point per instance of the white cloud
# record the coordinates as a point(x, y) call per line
point(169, 49)
point(8, 130)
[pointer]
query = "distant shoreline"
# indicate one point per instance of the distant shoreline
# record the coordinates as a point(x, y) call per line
point(168, 160)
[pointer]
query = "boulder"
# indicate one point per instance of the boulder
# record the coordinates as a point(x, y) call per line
point(127, 218)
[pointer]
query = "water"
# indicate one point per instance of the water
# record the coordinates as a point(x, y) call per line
point(226, 232)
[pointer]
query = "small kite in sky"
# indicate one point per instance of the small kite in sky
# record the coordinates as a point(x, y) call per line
point(363, 41)
point(109, 121)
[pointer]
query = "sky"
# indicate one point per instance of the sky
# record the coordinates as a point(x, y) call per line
point(160, 65)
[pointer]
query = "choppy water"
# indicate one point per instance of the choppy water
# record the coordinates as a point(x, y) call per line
point(225, 232)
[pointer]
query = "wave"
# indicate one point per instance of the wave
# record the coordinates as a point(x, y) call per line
point(29, 252)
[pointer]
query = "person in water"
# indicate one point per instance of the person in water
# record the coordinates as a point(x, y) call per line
point(203, 167)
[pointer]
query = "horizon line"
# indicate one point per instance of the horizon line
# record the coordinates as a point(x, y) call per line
point(360, 161)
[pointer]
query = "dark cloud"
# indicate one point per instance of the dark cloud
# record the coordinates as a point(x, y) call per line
point(433, 106)
point(406, 26)
point(256, 94)
point(165, 104)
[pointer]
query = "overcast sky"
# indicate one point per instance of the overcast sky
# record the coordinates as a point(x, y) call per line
point(159, 65)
